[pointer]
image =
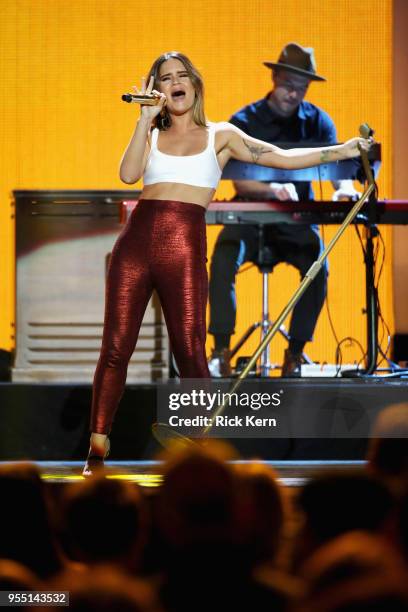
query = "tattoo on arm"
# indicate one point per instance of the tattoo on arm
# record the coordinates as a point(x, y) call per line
point(255, 150)
point(326, 156)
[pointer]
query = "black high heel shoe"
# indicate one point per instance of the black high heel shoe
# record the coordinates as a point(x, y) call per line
point(95, 463)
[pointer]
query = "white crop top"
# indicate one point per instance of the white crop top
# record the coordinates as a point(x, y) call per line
point(200, 170)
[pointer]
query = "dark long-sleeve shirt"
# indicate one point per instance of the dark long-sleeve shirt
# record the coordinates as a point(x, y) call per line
point(308, 125)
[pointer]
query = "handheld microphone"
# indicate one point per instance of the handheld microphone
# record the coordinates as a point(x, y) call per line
point(366, 131)
point(148, 99)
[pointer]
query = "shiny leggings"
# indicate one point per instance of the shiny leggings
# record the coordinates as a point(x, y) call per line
point(162, 247)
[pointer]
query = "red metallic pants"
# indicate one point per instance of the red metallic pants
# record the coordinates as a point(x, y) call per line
point(162, 247)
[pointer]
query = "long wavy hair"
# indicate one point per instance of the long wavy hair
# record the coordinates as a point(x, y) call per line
point(163, 121)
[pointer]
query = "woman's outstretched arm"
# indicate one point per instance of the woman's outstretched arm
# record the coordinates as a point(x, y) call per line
point(247, 149)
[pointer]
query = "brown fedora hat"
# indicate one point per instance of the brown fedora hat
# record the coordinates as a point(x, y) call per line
point(300, 60)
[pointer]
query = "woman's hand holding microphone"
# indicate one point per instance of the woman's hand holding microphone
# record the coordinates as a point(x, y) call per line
point(149, 111)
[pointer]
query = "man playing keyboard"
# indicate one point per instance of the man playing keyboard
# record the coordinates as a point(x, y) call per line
point(282, 116)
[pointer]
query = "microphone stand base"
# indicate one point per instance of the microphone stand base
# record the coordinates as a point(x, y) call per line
point(171, 439)
point(355, 374)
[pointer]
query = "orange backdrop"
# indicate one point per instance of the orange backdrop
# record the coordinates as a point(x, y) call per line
point(64, 64)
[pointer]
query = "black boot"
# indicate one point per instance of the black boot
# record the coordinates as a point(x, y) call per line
point(291, 367)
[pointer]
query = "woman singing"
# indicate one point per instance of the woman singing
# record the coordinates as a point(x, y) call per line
point(163, 246)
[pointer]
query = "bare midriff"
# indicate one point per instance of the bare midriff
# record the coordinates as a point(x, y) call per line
point(179, 192)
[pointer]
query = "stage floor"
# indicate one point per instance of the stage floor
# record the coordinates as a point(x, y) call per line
point(50, 423)
point(150, 473)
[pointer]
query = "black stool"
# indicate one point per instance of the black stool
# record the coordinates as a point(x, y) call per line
point(265, 263)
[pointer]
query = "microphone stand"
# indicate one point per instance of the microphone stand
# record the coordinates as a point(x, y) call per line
point(166, 435)
point(371, 292)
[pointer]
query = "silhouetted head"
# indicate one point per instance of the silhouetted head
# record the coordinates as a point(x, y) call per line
point(387, 453)
point(106, 519)
point(27, 521)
